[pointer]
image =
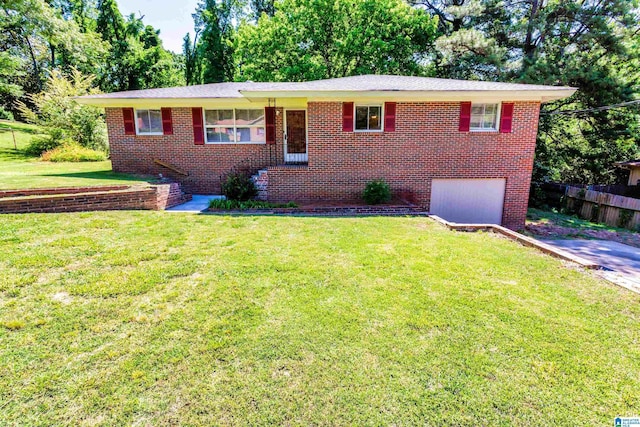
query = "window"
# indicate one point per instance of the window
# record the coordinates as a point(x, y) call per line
point(368, 118)
point(484, 117)
point(149, 122)
point(235, 126)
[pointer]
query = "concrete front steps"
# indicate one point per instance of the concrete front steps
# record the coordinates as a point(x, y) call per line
point(261, 181)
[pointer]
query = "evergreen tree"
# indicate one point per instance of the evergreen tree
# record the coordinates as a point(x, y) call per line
point(189, 53)
point(588, 44)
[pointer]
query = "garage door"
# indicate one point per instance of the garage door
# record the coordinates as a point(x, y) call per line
point(478, 201)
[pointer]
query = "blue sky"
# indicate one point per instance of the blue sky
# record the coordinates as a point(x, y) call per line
point(171, 17)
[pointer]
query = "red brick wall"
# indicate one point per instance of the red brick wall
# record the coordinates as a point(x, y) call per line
point(204, 163)
point(59, 190)
point(425, 145)
point(80, 199)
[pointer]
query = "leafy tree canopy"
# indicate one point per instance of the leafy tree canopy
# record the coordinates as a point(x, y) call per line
point(310, 39)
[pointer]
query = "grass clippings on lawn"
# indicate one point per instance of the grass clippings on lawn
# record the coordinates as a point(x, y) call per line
point(146, 318)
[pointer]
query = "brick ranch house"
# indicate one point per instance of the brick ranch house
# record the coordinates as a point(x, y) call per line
point(462, 149)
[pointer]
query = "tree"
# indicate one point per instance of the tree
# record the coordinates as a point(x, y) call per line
point(258, 7)
point(588, 44)
point(34, 33)
point(307, 39)
point(9, 74)
point(137, 59)
point(465, 47)
point(191, 63)
point(214, 50)
point(60, 115)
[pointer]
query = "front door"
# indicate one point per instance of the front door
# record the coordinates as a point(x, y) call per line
point(295, 137)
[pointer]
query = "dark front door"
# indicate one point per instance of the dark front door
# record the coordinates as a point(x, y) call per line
point(295, 147)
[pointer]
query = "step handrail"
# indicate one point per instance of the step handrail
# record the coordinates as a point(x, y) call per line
point(170, 166)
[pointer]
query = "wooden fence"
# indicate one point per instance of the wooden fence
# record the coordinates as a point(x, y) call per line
point(610, 209)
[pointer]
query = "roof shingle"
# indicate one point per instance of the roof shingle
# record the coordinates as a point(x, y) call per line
point(382, 83)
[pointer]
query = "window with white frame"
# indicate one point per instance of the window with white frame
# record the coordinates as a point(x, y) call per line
point(235, 126)
point(149, 122)
point(484, 117)
point(368, 118)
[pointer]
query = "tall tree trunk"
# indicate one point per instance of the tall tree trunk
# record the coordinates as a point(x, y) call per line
point(529, 46)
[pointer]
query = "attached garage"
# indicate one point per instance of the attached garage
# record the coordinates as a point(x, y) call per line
point(478, 201)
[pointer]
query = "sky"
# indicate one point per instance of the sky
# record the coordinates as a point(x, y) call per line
point(171, 17)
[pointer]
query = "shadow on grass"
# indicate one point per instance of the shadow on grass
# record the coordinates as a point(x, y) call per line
point(11, 154)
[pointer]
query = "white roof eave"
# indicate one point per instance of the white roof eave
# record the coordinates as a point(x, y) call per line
point(504, 95)
point(302, 97)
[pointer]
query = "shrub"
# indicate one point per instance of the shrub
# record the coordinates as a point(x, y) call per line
point(376, 191)
point(247, 204)
point(239, 186)
point(625, 217)
point(61, 116)
point(41, 144)
point(5, 114)
point(72, 152)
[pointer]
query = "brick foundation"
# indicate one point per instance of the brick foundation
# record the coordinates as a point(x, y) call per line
point(79, 199)
point(378, 210)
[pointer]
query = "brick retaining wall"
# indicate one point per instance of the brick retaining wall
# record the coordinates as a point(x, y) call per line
point(79, 199)
point(59, 190)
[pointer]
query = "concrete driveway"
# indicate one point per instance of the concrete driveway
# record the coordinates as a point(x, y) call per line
point(623, 260)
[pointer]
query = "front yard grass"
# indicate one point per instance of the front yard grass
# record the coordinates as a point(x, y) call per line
point(570, 221)
point(18, 170)
point(555, 225)
point(156, 318)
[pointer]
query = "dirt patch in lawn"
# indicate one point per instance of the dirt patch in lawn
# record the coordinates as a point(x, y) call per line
point(550, 227)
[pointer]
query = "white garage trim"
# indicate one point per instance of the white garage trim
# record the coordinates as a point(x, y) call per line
point(471, 201)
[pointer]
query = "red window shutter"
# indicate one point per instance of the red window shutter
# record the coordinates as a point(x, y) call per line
point(506, 117)
point(347, 117)
point(389, 116)
point(198, 126)
point(167, 123)
point(270, 124)
point(129, 121)
point(465, 116)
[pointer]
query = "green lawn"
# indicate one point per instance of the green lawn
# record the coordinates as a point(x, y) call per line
point(153, 318)
point(18, 170)
point(569, 221)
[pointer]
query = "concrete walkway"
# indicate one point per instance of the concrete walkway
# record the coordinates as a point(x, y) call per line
point(622, 260)
point(197, 204)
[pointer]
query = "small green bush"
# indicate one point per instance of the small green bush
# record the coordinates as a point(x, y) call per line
point(72, 152)
point(239, 186)
point(5, 114)
point(41, 144)
point(625, 217)
point(248, 204)
point(376, 191)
